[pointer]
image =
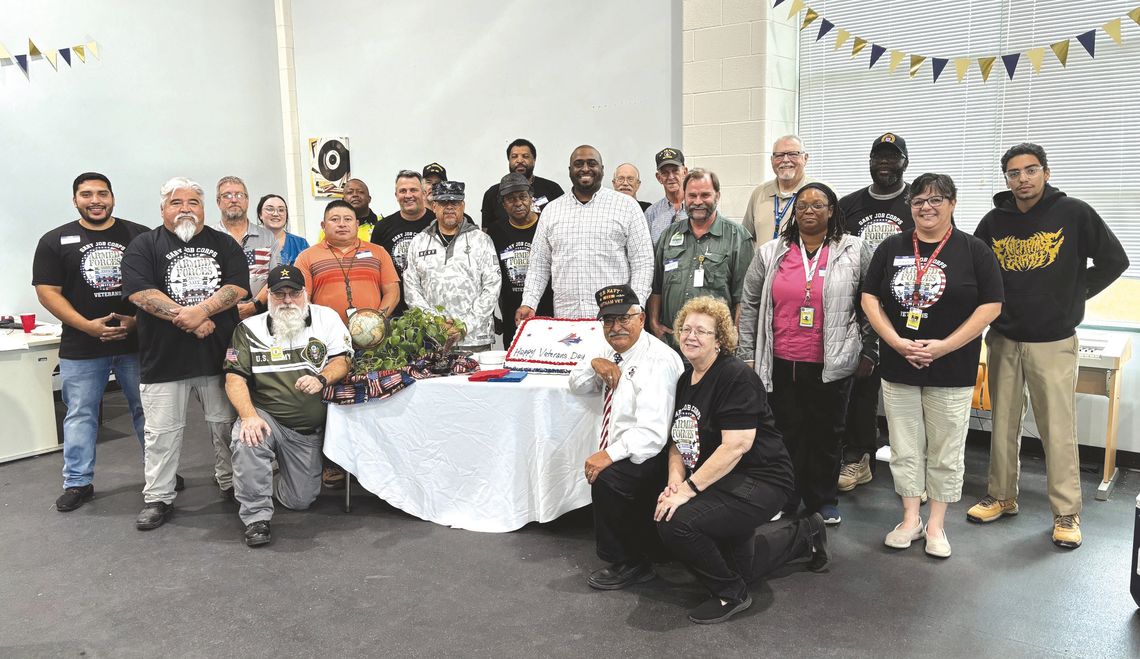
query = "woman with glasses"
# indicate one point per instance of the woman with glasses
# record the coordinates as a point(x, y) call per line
point(729, 472)
point(929, 293)
point(799, 326)
point(273, 213)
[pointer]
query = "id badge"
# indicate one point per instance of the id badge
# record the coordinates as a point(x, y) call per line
point(698, 278)
point(807, 316)
point(349, 311)
point(913, 318)
point(276, 353)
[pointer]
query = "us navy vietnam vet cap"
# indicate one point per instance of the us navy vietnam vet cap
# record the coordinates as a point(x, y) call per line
point(448, 191)
point(892, 140)
point(513, 182)
point(669, 156)
point(286, 276)
point(435, 169)
point(615, 300)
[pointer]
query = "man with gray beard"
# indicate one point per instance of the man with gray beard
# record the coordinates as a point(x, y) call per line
point(276, 367)
point(187, 279)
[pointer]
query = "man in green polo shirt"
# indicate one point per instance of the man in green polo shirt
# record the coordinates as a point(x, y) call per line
point(704, 254)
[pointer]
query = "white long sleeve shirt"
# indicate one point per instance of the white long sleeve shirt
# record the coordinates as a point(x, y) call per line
point(642, 407)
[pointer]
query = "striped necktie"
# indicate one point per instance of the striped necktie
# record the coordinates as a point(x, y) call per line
point(606, 409)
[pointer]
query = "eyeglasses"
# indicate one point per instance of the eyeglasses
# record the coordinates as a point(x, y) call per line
point(273, 210)
point(1030, 171)
point(285, 293)
point(625, 179)
point(790, 155)
point(234, 195)
point(817, 207)
point(935, 202)
point(699, 331)
point(623, 320)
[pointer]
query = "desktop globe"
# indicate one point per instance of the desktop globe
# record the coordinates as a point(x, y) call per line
point(367, 327)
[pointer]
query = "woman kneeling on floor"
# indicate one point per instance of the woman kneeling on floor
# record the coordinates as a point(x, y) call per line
point(728, 471)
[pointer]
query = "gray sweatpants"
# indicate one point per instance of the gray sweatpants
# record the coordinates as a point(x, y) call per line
point(299, 470)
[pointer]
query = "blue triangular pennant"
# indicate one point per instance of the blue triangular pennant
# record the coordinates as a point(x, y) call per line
point(876, 52)
point(22, 61)
point(1088, 40)
point(65, 53)
point(778, 3)
point(937, 64)
point(1010, 62)
point(824, 28)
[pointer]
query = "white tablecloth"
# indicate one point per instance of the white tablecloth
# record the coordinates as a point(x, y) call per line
point(473, 455)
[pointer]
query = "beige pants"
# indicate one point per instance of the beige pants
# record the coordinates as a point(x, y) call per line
point(164, 404)
point(928, 427)
point(1049, 372)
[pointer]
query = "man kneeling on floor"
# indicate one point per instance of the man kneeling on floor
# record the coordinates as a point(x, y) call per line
point(276, 367)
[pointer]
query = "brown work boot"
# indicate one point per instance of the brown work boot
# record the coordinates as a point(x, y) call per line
point(855, 473)
point(1067, 531)
point(990, 509)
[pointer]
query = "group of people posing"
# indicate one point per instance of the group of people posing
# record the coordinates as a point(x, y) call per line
point(788, 324)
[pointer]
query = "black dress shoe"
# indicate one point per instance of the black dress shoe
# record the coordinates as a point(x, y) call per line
point(621, 575)
point(179, 483)
point(74, 497)
point(712, 611)
point(257, 534)
point(817, 539)
point(153, 515)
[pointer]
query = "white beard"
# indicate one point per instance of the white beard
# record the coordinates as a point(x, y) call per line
point(185, 229)
point(288, 321)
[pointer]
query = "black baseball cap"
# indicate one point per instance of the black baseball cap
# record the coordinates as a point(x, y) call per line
point(286, 276)
point(435, 169)
point(448, 191)
point(513, 182)
point(669, 156)
point(615, 300)
point(891, 140)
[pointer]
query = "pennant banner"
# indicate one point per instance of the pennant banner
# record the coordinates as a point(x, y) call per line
point(876, 52)
point(1135, 15)
point(1061, 50)
point(916, 64)
point(841, 38)
point(1036, 56)
point(860, 44)
point(51, 55)
point(962, 67)
point(1112, 29)
point(796, 8)
point(810, 16)
point(824, 27)
point(938, 63)
point(1088, 40)
point(1010, 62)
point(985, 65)
point(65, 54)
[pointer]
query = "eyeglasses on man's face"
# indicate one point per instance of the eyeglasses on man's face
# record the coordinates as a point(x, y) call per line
point(790, 155)
point(623, 320)
point(234, 195)
point(288, 293)
point(1030, 171)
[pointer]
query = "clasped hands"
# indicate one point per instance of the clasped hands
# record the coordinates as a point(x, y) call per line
point(921, 352)
point(194, 320)
point(670, 499)
point(102, 329)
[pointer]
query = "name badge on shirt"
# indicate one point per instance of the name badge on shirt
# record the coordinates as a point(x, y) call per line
point(68, 240)
point(676, 240)
point(901, 261)
point(670, 266)
point(913, 318)
point(540, 202)
point(807, 316)
point(698, 278)
point(276, 353)
point(822, 273)
point(363, 255)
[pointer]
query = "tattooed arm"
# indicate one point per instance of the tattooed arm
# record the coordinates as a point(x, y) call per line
point(156, 303)
point(189, 318)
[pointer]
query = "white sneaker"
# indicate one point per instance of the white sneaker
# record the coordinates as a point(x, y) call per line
point(938, 547)
point(901, 538)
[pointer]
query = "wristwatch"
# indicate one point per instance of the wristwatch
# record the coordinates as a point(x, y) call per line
point(323, 380)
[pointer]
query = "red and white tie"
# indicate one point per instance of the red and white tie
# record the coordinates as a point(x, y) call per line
point(606, 409)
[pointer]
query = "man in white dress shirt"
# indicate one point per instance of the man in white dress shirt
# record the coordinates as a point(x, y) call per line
point(637, 377)
point(588, 239)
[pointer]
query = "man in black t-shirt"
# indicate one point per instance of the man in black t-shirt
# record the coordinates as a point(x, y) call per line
point(521, 156)
point(77, 275)
point(512, 241)
point(187, 279)
point(873, 213)
point(396, 230)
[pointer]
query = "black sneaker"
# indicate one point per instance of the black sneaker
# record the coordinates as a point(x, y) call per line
point(227, 494)
point(817, 539)
point(153, 515)
point(74, 497)
point(620, 575)
point(712, 611)
point(257, 534)
point(179, 483)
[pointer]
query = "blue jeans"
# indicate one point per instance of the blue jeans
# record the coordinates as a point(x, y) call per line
point(84, 381)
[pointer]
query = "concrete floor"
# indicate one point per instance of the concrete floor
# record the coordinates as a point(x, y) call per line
point(377, 582)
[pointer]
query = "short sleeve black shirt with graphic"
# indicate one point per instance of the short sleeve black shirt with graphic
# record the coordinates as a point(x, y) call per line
point(875, 220)
point(964, 276)
point(512, 248)
point(730, 396)
point(394, 234)
point(188, 273)
point(543, 190)
point(86, 265)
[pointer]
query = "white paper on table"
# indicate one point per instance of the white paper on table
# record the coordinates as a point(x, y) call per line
point(13, 340)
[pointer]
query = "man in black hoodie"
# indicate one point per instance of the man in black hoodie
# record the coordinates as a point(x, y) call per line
point(1043, 241)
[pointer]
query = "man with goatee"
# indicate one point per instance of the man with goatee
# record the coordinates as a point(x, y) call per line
point(186, 278)
point(276, 367)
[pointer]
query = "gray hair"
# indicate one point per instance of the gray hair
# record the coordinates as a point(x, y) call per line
point(629, 164)
point(231, 179)
point(788, 137)
point(179, 183)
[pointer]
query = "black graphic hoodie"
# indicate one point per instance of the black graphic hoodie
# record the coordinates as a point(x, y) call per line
point(1043, 255)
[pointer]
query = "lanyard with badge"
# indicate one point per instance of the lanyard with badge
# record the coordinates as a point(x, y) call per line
point(699, 273)
point(347, 281)
point(914, 315)
point(807, 312)
point(780, 213)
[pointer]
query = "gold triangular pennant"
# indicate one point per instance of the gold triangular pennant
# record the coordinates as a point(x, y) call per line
point(51, 56)
point(1135, 15)
point(80, 53)
point(860, 44)
point(94, 48)
point(1061, 50)
point(986, 65)
point(841, 38)
point(962, 67)
point(1036, 56)
point(32, 50)
point(896, 59)
point(916, 64)
point(1112, 29)
point(797, 7)
point(5, 55)
point(810, 16)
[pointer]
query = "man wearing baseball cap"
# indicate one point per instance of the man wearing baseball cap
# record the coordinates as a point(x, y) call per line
point(873, 213)
point(276, 367)
point(513, 240)
point(671, 172)
point(636, 375)
point(433, 173)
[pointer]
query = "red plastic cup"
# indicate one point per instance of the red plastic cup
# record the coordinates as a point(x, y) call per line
point(28, 320)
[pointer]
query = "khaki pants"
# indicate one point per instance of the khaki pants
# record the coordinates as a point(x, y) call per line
point(1049, 372)
point(928, 427)
point(164, 404)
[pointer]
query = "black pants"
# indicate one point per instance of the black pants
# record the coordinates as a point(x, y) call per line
point(625, 496)
point(862, 435)
point(811, 414)
point(715, 535)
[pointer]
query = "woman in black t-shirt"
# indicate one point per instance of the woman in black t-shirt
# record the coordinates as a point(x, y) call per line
point(931, 344)
point(728, 470)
